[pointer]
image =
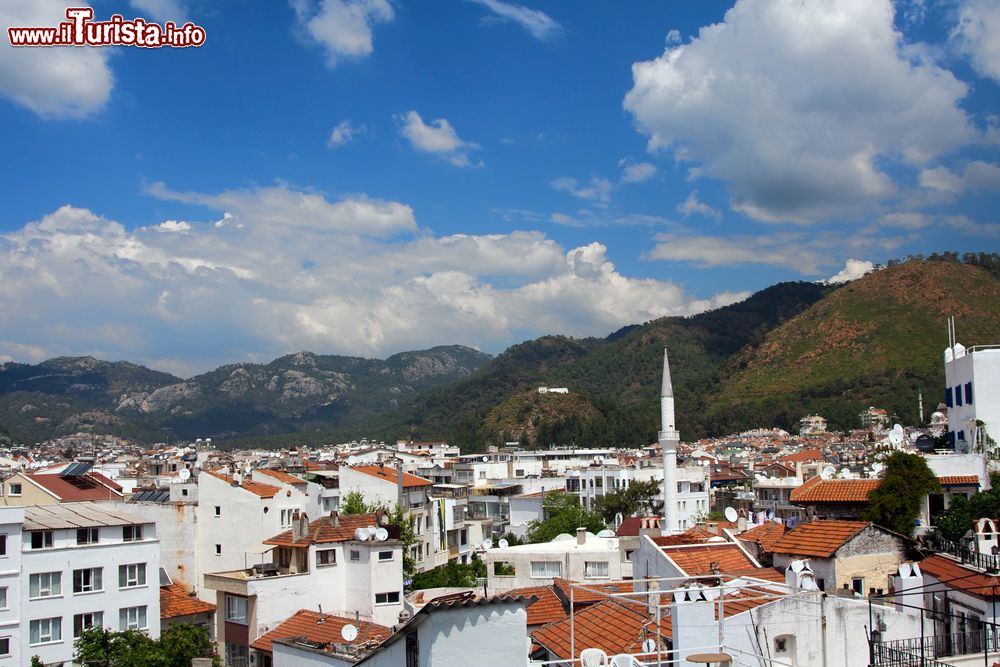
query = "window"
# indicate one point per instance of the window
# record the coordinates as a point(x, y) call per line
point(779, 645)
point(3, 597)
point(948, 397)
point(958, 395)
point(218, 549)
point(3, 544)
point(384, 556)
point(858, 585)
point(355, 554)
point(184, 492)
point(45, 630)
point(412, 650)
point(236, 609)
point(237, 654)
point(387, 598)
point(596, 570)
point(968, 393)
point(14, 489)
point(286, 517)
point(45, 584)
point(132, 618)
point(545, 569)
point(820, 584)
point(218, 511)
point(41, 539)
point(132, 575)
point(87, 535)
point(4, 646)
point(519, 472)
point(87, 581)
point(81, 622)
point(131, 533)
point(326, 557)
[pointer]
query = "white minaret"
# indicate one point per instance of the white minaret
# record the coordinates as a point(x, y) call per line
point(669, 438)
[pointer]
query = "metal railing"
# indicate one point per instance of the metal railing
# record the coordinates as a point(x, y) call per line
point(925, 650)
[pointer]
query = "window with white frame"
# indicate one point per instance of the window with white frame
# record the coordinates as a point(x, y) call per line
point(3, 544)
point(132, 618)
point(4, 646)
point(131, 533)
point(45, 630)
point(88, 580)
point(81, 622)
point(236, 609)
point(544, 569)
point(131, 575)
point(384, 556)
point(45, 584)
point(326, 557)
point(286, 516)
point(355, 555)
point(387, 598)
point(3, 597)
point(596, 569)
point(41, 539)
point(14, 489)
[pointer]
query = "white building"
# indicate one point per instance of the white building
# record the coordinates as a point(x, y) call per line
point(972, 394)
point(593, 482)
point(317, 563)
point(581, 558)
point(80, 565)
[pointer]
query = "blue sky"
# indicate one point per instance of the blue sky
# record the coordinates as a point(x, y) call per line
point(370, 176)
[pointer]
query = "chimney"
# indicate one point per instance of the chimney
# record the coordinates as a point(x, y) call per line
point(300, 526)
point(381, 468)
point(906, 583)
point(335, 519)
point(581, 535)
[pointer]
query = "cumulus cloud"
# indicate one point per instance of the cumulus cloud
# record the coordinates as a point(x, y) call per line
point(344, 133)
point(639, 172)
point(598, 190)
point(977, 176)
point(439, 138)
point(54, 82)
point(343, 28)
point(853, 269)
point(693, 205)
point(539, 24)
point(289, 270)
point(797, 105)
point(977, 35)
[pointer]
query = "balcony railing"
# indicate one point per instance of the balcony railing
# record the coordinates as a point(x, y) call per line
point(925, 650)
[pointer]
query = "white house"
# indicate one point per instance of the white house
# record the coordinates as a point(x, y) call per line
point(972, 394)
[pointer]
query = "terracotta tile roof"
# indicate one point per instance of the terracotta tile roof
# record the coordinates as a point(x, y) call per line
point(176, 601)
point(696, 560)
point(546, 609)
point(765, 573)
point(746, 599)
point(819, 538)
point(281, 476)
point(389, 473)
point(693, 535)
point(583, 596)
point(322, 530)
point(610, 626)
point(958, 480)
point(805, 456)
point(256, 488)
point(972, 581)
point(818, 490)
point(765, 535)
point(92, 486)
point(306, 623)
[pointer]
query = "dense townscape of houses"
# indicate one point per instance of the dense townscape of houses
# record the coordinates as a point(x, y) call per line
point(256, 546)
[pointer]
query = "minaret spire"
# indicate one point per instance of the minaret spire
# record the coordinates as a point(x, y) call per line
point(668, 439)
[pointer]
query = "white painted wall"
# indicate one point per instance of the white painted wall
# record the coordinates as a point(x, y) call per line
point(11, 520)
point(982, 369)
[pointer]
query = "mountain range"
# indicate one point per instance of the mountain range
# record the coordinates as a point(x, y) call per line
point(787, 351)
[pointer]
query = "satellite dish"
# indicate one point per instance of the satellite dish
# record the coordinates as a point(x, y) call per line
point(731, 515)
point(896, 434)
point(797, 566)
point(184, 474)
point(361, 534)
point(905, 569)
point(349, 633)
point(562, 537)
point(606, 533)
point(809, 583)
point(486, 459)
point(711, 593)
point(877, 468)
point(503, 544)
point(381, 534)
point(648, 646)
point(487, 544)
point(827, 472)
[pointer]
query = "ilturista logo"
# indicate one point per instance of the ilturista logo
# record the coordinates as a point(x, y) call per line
point(80, 29)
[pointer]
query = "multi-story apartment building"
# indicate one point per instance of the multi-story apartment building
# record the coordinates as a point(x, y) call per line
point(972, 394)
point(67, 567)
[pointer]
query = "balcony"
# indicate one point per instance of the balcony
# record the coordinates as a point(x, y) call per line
point(926, 650)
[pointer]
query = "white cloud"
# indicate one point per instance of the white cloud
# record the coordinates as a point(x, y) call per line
point(598, 190)
point(161, 11)
point(674, 38)
point(981, 175)
point(940, 179)
point(782, 250)
point(977, 35)
point(906, 219)
point(693, 205)
point(966, 225)
point(344, 133)
point(853, 269)
point(639, 172)
point(288, 276)
point(439, 138)
point(539, 24)
point(798, 104)
point(52, 82)
point(977, 176)
point(342, 27)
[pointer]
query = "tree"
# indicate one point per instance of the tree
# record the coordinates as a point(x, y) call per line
point(636, 498)
point(954, 523)
point(451, 575)
point(132, 648)
point(354, 503)
point(563, 514)
point(895, 503)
